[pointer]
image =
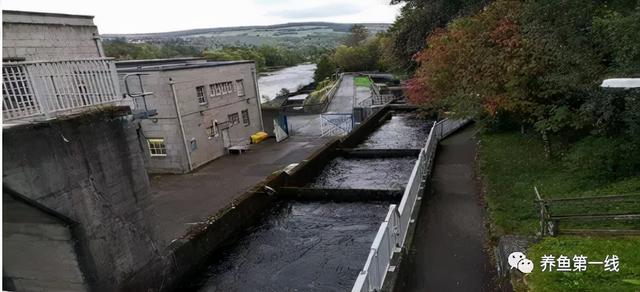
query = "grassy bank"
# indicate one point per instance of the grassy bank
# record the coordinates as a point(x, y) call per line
point(511, 165)
point(362, 81)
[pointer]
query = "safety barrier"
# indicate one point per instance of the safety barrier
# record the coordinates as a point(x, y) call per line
point(393, 231)
point(46, 89)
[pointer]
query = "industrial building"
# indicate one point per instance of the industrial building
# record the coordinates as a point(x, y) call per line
point(197, 110)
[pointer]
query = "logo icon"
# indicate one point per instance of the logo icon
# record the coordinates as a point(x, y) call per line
point(519, 261)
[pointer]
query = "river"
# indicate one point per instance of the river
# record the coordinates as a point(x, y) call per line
point(291, 78)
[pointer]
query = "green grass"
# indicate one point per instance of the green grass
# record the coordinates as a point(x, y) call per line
point(511, 165)
point(362, 81)
point(594, 278)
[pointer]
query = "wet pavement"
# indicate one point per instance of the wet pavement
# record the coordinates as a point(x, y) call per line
point(298, 247)
point(184, 199)
point(365, 173)
point(403, 131)
point(342, 101)
point(448, 252)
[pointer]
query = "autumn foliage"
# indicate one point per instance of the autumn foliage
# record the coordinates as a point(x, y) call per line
point(534, 63)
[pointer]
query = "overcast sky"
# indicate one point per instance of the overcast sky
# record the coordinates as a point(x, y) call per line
point(133, 16)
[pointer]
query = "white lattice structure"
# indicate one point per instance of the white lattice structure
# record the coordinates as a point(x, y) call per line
point(47, 89)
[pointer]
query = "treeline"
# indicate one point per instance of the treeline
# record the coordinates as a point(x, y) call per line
point(538, 65)
point(359, 51)
point(122, 50)
point(264, 56)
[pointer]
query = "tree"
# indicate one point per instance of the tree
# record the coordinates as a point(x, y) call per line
point(325, 68)
point(357, 35)
point(535, 63)
point(418, 18)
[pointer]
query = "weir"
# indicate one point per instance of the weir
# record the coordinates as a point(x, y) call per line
point(316, 231)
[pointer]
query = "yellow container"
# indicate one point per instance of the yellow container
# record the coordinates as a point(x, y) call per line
point(258, 137)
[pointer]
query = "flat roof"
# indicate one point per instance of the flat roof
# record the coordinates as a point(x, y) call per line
point(45, 18)
point(172, 64)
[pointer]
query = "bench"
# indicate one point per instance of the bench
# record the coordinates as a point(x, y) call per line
point(238, 149)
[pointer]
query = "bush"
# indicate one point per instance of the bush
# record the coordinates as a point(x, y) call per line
point(604, 158)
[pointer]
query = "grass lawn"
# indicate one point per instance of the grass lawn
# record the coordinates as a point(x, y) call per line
point(362, 81)
point(511, 165)
point(595, 278)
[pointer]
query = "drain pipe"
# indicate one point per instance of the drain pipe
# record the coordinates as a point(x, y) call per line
point(184, 138)
point(258, 98)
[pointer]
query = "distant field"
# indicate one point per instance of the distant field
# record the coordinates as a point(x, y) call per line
point(319, 34)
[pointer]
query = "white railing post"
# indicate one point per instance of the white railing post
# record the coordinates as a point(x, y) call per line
point(51, 88)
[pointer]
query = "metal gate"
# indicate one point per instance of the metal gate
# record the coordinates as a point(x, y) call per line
point(336, 124)
point(280, 127)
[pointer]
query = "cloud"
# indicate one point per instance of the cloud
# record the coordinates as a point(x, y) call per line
point(328, 10)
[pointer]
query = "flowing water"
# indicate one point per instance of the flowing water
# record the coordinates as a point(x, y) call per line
point(299, 247)
point(291, 78)
point(403, 131)
point(365, 173)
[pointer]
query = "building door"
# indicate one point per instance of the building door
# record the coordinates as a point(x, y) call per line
point(226, 141)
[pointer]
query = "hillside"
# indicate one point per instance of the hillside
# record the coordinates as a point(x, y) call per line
point(323, 34)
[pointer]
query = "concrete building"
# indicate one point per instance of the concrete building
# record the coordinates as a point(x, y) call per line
point(202, 109)
point(53, 65)
point(77, 212)
point(35, 36)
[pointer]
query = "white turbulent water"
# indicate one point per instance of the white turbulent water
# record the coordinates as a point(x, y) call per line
point(290, 78)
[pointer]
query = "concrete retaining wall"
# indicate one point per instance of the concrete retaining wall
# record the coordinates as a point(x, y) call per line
point(89, 169)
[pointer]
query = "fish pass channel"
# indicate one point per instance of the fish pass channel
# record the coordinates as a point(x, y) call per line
point(318, 245)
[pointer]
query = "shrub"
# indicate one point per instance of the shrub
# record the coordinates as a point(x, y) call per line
point(604, 158)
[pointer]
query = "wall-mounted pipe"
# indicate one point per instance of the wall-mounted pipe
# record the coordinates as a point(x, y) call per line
point(184, 138)
point(258, 98)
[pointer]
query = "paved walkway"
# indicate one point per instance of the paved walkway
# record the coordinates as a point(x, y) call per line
point(342, 101)
point(188, 198)
point(448, 252)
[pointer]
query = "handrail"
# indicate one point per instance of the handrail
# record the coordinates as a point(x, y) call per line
point(549, 222)
point(47, 89)
point(391, 235)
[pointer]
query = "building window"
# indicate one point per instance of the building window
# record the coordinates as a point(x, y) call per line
point(221, 88)
point(202, 96)
point(245, 117)
point(234, 118)
point(156, 147)
point(240, 87)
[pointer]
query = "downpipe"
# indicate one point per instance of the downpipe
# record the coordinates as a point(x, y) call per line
point(184, 138)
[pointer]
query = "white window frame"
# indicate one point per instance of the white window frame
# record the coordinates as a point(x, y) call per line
point(240, 87)
point(157, 147)
point(202, 95)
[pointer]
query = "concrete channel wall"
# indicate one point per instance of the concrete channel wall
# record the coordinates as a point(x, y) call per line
point(395, 233)
point(188, 257)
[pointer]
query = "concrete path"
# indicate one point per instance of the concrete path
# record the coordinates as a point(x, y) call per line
point(447, 252)
point(342, 101)
point(188, 198)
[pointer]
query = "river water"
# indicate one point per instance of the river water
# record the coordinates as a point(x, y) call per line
point(299, 247)
point(291, 78)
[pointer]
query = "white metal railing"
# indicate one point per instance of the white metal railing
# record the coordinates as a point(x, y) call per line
point(393, 231)
point(47, 89)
